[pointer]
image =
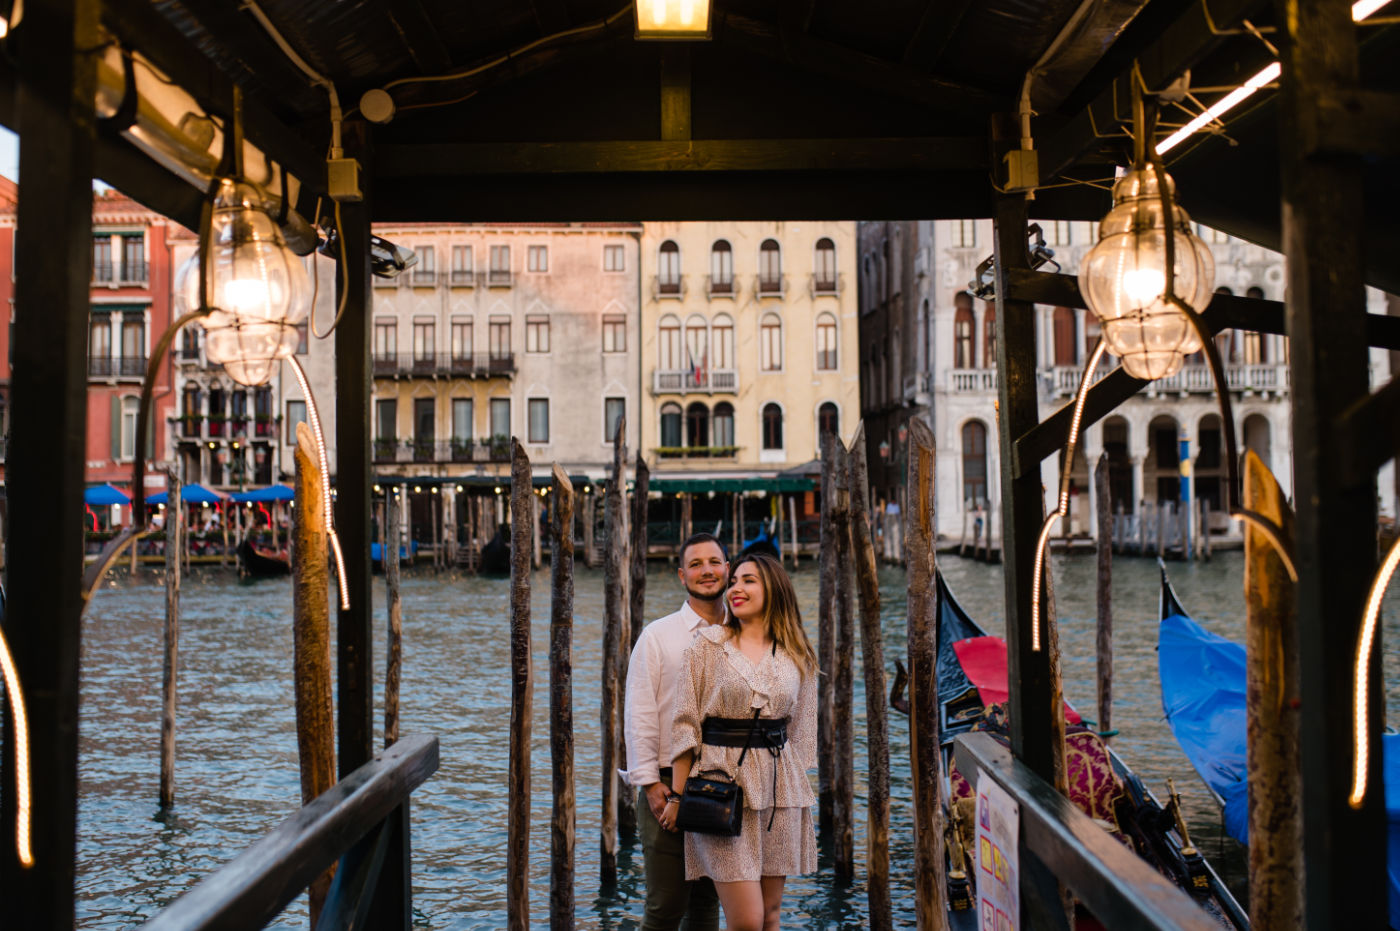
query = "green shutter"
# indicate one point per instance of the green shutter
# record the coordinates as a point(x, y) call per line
point(116, 426)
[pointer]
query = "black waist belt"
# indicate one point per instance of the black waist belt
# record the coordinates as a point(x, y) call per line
point(750, 733)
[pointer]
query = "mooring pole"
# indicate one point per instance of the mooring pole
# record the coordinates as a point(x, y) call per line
point(877, 832)
point(826, 620)
point(170, 667)
point(312, 638)
point(561, 705)
point(615, 603)
point(843, 771)
point(521, 692)
point(619, 567)
point(394, 653)
point(1103, 634)
point(637, 591)
point(792, 526)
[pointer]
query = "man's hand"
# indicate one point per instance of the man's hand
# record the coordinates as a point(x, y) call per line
point(656, 798)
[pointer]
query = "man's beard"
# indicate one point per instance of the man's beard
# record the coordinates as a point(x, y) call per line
point(702, 596)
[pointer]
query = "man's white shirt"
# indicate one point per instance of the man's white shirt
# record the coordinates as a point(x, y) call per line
point(651, 693)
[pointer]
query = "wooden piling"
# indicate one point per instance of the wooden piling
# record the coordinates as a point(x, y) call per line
point(1103, 634)
point(312, 638)
point(536, 555)
point(1162, 512)
point(637, 591)
point(590, 522)
point(778, 529)
point(826, 626)
point(877, 832)
point(561, 706)
point(433, 520)
point(843, 767)
point(394, 654)
point(618, 535)
point(1183, 511)
point(924, 758)
point(170, 666)
point(792, 525)
point(687, 509)
point(736, 530)
point(1273, 685)
point(1142, 527)
point(615, 602)
point(521, 692)
point(1205, 527)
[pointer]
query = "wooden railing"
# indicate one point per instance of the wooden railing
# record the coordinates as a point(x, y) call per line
point(1119, 888)
point(361, 822)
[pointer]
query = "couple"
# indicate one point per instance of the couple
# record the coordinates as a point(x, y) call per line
point(695, 681)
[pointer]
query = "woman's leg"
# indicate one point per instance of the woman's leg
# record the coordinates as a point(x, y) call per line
point(772, 889)
point(743, 904)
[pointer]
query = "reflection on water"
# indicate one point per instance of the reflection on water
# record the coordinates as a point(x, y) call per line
point(236, 770)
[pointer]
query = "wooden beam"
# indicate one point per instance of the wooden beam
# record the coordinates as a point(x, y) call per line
point(415, 27)
point(1354, 121)
point(43, 621)
point(675, 92)
point(257, 884)
point(935, 30)
point(932, 154)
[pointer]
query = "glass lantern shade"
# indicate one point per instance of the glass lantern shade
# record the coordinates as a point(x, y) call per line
point(258, 289)
point(1123, 278)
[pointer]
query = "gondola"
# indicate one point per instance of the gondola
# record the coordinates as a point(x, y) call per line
point(1203, 679)
point(495, 555)
point(765, 543)
point(260, 562)
point(972, 678)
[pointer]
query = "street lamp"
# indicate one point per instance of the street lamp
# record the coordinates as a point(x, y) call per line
point(673, 19)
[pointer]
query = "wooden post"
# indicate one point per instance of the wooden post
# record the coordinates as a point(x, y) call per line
point(737, 531)
point(843, 771)
point(1205, 527)
point(561, 705)
point(619, 536)
point(1119, 531)
point(687, 509)
point(521, 694)
point(924, 758)
point(962, 541)
point(877, 832)
point(312, 638)
point(637, 591)
point(614, 604)
point(537, 557)
point(169, 670)
point(1142, 527)
point(826, 625)
point(792, 525)
point(433, 519)
point(394, 653)
point(1273, 762)
point(1163, 510)
point(220, 509)
point(590, 521)
point(778, 529)
point(1103, 635)
point(1183, 524)
point(738, 548)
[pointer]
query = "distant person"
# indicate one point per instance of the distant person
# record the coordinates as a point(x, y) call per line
point(651, 689)
point(751, 682)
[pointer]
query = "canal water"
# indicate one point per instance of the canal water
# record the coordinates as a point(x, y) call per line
point(236, 769)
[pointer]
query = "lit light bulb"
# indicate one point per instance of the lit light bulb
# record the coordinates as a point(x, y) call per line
point(658, 12)
point(1144, 285)
point(687, 12)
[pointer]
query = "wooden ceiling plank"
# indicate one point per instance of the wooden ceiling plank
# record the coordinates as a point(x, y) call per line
point(935, 30)
point(415, 28)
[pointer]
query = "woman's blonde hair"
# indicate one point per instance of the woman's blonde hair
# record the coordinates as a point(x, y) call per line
point(780, 611)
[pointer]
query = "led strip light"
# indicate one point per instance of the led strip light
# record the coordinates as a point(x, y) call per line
point(22, 782)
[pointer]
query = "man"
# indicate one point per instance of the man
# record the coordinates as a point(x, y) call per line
point(651, 691)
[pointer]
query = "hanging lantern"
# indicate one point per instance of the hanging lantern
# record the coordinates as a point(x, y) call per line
point(257, 287)
point(1124, 281)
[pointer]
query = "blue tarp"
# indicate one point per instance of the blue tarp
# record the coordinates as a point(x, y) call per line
point(189, 494)
point(270, 493)
point(1390, 744)
point(376, 550)
point(1203, 695)
point(105, 494)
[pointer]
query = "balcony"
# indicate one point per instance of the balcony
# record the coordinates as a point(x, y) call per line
point(264, 425)
point(441, 451)
point(189, 425)
point(1192, 379)
point(667, 288)
point(916, 389)
point(671, 381)
point(103, 273)
point(387, 282)
point(117, 367)
point(826, 285)
point(185, 355)
point(721, 287)
point(697, 452)
point(770, 287)
point(424, 278)
point(432, 365)
point(972, 381)
point(499, 278)
point(135, 273)
point(463, 278)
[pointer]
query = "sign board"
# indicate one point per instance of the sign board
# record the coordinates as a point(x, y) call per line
point(998, 865)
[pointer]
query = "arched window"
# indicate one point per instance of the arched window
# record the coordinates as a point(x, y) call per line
point(974, 461)
point(824, 266)
point(1062, 321)
point(826, 343)
point(671, 425)
point(963, 323)
point(828, 420)
point(189, 342)
point(989, 336)
point(770, 343)
point(1258, 437)
point(772, 426)
point(697, 426)
point(723, 425)
point(668, 344)
point(697, 348)
point(722, 343)
point(770, 267)
point(721, 268)
point(668, 268)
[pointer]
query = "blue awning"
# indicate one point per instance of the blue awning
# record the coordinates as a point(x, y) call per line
point(190, 494)
point(270, 493)
point(106, 494)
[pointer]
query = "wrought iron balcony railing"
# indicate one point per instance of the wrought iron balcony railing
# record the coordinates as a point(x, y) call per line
point(427, 365)
point(435, 450)
point(117, 366)
point(670, 381)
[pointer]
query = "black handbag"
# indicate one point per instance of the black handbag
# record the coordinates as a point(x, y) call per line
point(714, 806)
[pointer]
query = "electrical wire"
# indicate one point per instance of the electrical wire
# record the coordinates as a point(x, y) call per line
point(345, 280)
point(316, 77)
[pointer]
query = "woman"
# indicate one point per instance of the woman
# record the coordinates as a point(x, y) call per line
point(758, 660)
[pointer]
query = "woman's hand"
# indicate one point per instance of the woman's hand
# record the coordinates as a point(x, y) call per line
point(669, 812)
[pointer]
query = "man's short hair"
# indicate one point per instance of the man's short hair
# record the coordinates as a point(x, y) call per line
point(697, 538)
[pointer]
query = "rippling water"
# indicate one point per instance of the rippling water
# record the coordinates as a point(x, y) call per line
point(236, 767)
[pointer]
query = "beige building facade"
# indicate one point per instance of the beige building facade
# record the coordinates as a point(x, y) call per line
point(748, 344)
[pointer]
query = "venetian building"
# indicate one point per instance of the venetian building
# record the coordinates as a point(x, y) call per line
point(748, 344)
